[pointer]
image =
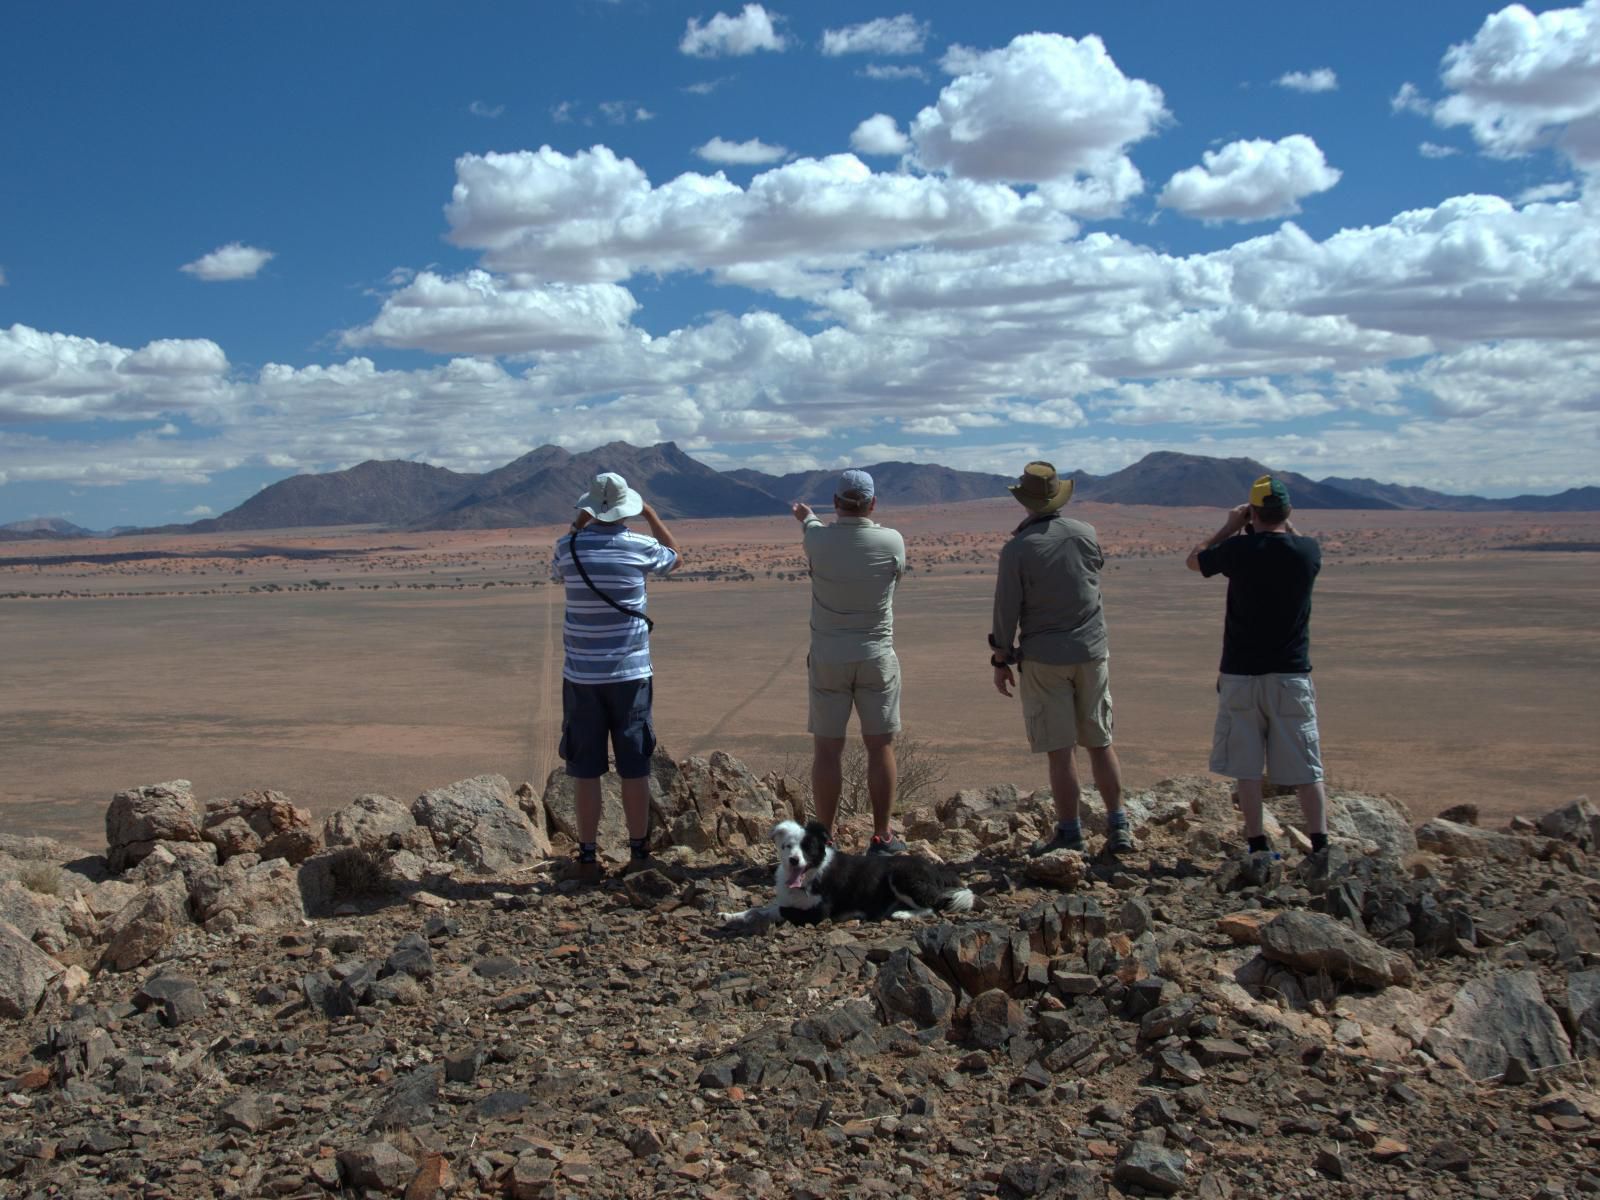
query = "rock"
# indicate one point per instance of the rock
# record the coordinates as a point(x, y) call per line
point(673, 817)
point(377, 1165)
point(410, 1099)
point(1315, 942)
point(1461, 814)
point(168, 859)
point(144, 925)
point(39, 918)
point(1061, 869)
point(905, 988)
point(264, 823)
point(1378, 819)
point(411, 956)
point(1244, 928)
point(25, 973)
point(1468, 841)
point(1577, 822)
point(648, 888)
point(377, 824)
point(981, 957)
point(1582, 1011)
point(735, 808)
point(243, 891)
point(476, 822)
point(1493, 1017)
point(1135, 917)
point(994, 1019)
point(972, 806)
point(1151, 1167)
point(140, 817)
point(178, 1000)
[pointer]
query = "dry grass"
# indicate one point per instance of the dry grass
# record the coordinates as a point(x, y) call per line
point(42, 878)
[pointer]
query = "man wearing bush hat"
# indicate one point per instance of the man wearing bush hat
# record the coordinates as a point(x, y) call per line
point(1047, 601)
point(1266, 704)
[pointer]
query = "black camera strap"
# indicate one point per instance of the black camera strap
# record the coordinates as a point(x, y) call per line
point(649, 625)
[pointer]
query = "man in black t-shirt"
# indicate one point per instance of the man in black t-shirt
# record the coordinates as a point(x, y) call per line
point(1266, 705)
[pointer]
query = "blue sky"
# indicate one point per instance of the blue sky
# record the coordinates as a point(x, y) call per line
point(240, 242)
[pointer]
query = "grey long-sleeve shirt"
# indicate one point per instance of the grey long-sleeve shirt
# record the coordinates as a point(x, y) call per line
point(1048, 586)
point(855, 564)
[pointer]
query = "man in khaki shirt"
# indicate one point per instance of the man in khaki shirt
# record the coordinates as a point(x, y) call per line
point(855, 564)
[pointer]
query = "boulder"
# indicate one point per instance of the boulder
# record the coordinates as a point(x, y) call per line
point(981, 957)
point(1468, 841)
point(25, 973)
point(1582, 1011)
point(1061, 869)
point(1316, 943)
point(376, 823)
point(265, 823)
point(1500, 1016)
point(141, 817)
point(39, 918)
point(735, 808)
point(667, 825)
point(145, 924)
point(1577, 822)
point(167, 859)
point(971, 806)
point(1377, 819)
point(906, 989)
point(994, 1019)
point(246, 891)
point(476, 822)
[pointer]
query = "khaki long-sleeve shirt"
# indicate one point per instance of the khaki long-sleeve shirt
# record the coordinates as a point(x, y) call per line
point(855, 564)
point(1048, 587)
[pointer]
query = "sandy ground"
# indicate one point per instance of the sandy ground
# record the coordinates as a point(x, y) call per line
point(1449, 668)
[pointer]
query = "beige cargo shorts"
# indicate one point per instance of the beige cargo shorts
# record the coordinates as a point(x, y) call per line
point(1270, 721)
point(1066, 705)
point(870, 687)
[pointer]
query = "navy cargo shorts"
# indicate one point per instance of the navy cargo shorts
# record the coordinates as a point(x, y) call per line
point(594, 715)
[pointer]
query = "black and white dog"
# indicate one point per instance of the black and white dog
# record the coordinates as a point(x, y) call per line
point(815, 882)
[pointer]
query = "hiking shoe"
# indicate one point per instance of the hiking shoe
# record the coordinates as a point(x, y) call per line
point(1119, 841)
point(580, 870)
point(886, 845)
point(1056, 841)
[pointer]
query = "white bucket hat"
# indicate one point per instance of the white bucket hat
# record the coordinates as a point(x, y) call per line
point(609, 498)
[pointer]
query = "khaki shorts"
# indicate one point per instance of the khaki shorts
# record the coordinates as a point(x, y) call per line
point(870, 687)
point(1268, 720)
point(1066, 705)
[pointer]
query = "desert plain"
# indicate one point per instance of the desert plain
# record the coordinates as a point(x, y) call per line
point(1455, 654)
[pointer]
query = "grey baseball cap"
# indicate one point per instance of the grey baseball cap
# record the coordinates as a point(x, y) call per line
point(854, 483)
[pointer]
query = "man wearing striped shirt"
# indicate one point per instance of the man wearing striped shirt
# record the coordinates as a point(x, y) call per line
point(606, 678)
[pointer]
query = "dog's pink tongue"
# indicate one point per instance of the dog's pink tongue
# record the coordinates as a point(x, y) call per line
point(796, 874)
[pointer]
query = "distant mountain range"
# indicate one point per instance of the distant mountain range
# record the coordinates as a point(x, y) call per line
point(540, 487)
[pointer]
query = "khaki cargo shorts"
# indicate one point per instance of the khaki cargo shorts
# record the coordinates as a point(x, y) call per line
point(1066, 705)
point(870, 687)
point(1267, 720)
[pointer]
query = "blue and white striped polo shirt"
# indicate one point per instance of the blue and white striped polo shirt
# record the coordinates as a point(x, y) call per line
point(602, 645)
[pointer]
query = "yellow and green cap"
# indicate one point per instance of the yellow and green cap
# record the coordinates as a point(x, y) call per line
point(1269, 492)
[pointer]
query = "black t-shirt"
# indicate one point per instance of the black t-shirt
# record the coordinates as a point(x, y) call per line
point(1268, 628)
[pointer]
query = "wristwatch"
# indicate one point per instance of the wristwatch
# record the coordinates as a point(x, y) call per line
point(997, 662)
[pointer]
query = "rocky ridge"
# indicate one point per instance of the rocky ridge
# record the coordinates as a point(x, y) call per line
point(410, 1000)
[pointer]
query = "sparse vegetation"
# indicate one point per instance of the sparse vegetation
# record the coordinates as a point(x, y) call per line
point(920, 768)
point(40, 877)
point(357, 873)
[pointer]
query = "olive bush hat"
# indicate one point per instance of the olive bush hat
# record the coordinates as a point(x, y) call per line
point(1040, 490)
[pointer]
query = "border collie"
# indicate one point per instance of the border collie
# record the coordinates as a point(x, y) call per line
point(815, 882)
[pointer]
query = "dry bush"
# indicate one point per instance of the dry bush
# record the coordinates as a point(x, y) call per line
point(40, 877)
point(355, 873)
point(920, 772)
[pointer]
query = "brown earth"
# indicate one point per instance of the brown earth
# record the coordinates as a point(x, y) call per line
point(1450, 667)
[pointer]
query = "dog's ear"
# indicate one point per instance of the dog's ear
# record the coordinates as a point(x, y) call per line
point(817, 829)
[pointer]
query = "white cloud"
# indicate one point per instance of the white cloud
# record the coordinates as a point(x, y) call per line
point(233, 261)
point(931, 426)
point(2, 277)
point(1251, 180)
point(200, 511)
point(1525, 81)
point(562, 113)
point(1045, 109)
point(478, 314)
point(903, 34)
point(893, 72)
point(1434, 150)
point(621, 112)
point(1320, 80)
point(1211, 403)
point(488, 111)
point(705, 87)
point(1410, 100)
point(879, 134)
point(752, 30)
point(754, 152)
point(59, 377)
point(1544, 192)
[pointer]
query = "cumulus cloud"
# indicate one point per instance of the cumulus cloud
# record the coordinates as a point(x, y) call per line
point(1434, 150)
point(754, 152)
point(879, 134)
point(1544, 192)
point(477, 313)
point(1410, 100)
point(893, 72)
point(60, 377)
point(1251, 180)
point(752, 30)
point(488, 111)
point(1320, 80)
point(233, 261)
point(1044, 109)
point(1525, 81)
point(903, 34)
point(1210, 403)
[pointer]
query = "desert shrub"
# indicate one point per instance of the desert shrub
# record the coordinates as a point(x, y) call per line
point(920, 772)
point(43, 878)
point(356, 872)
